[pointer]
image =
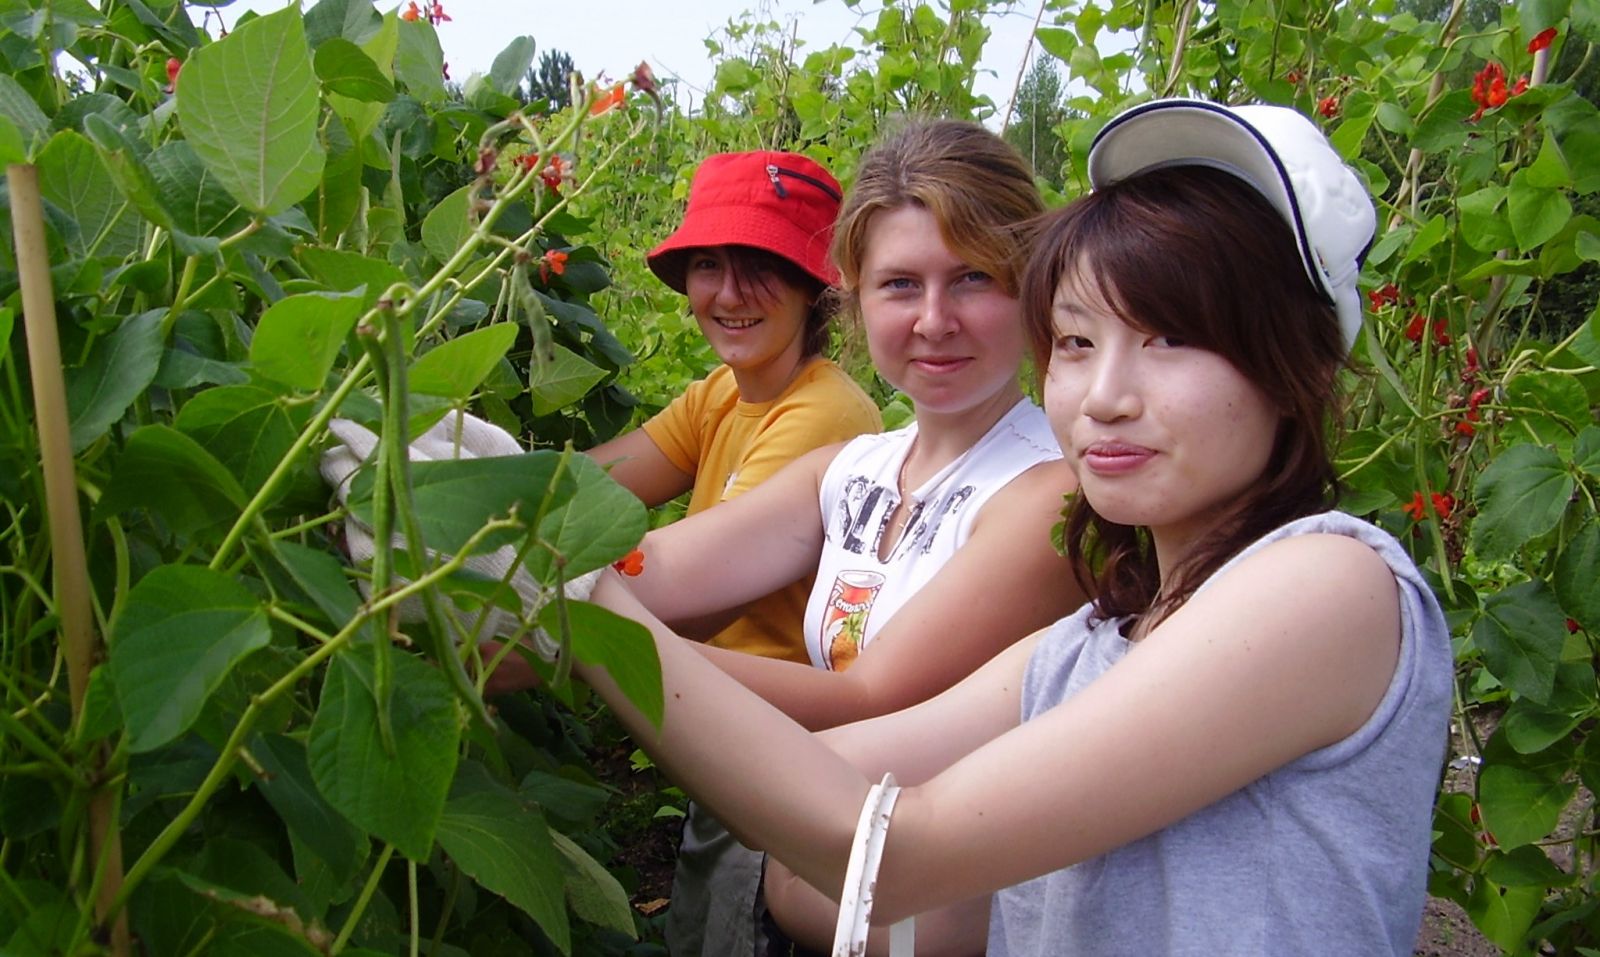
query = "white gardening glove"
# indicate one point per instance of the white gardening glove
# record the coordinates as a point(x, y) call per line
point(458, 435)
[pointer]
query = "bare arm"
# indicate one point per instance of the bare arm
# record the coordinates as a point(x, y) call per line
point(1287, 653)
point(740, 550)
point(1004, 582)
point(915, 744)
point(639, 466)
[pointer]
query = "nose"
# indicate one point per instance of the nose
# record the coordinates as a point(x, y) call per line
point(937, 319)
point(730, 291)
point(1113, 389)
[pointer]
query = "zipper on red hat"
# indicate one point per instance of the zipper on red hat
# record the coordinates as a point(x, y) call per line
point(774, 172)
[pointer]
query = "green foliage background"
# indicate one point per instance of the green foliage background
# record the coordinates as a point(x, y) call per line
point(315, 223)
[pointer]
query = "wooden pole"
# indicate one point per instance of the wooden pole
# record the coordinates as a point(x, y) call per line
point(67, 558)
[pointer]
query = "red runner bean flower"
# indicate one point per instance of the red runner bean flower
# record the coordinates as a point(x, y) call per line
point(1328, 106)
point(1443, 504)
point(436, 14)
point(631, 564)
point(1489, 88)
point(557, 171)
point(173, 66)
point(1419, 326)
point(553, 261)
point(1388, 295)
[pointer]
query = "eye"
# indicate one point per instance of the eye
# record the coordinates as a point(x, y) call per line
point(1169, 342)
point(976, 276)
point(898, 283)
point(1072, 342)
point(702, 263)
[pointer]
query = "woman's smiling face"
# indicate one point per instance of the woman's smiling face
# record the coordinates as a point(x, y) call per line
point(755, 323)
point(1161, 433)
point(941, 330)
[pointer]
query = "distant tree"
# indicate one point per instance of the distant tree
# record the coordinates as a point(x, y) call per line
point(548, 80)
point(1031, 128)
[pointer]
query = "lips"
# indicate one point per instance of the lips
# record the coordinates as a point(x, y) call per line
point(1114, 457)
point(737, 324)
point(940, 363)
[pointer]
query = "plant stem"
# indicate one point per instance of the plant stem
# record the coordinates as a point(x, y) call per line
point(235, 744)
point(416, 918)
point(367, 890)
point(69, 561)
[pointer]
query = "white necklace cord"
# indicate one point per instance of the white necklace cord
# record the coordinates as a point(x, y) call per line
point(861, 878)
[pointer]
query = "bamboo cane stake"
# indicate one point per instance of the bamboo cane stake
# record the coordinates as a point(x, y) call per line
point(68, 562)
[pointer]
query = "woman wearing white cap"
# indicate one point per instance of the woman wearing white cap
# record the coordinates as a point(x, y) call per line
point(1234, 748)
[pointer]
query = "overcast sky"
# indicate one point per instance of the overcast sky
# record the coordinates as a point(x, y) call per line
point(612, 36)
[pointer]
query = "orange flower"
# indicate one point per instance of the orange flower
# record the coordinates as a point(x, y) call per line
point(1416, 508)
point(1443, 503)
point(1542, 40)
point(631, 564)
point(553, 261)
point(412, 12)
point(605, 102)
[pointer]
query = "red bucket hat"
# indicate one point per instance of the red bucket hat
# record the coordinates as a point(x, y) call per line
point(781, 203)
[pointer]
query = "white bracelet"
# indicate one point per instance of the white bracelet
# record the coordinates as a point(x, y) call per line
point(861, 878)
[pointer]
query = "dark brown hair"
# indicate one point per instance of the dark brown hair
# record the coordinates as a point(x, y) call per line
point(1195, 253)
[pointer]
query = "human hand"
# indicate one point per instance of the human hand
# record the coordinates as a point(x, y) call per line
point(458, 435)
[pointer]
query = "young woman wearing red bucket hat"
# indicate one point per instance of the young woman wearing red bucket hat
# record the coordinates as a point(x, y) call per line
point(1234, 748)
point(752, 257)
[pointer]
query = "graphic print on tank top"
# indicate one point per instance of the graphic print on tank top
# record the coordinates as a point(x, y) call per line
point(863, 512)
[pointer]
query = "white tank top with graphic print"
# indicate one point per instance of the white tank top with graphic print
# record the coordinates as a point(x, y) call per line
point(855, 592)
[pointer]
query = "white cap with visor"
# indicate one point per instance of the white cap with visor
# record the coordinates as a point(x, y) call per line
point(1274, 149)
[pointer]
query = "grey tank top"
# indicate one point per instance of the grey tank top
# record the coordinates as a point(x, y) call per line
point(1326, 855)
